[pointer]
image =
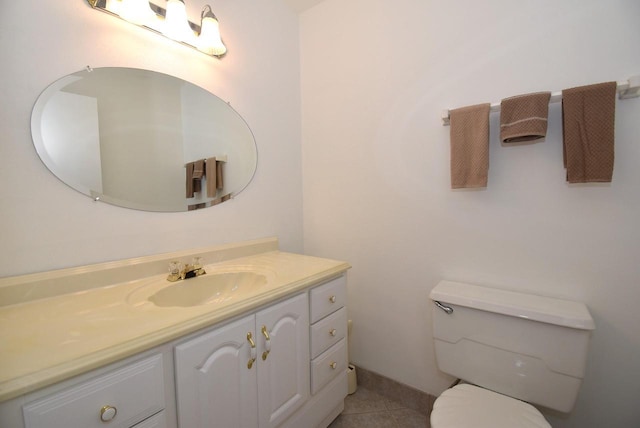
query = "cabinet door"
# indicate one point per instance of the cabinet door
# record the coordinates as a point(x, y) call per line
point(283, 373)
point(215, 386)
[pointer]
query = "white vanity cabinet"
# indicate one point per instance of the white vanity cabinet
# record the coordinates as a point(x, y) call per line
point(328, 332)
point(328, 356)
point(253, 372)
point(122, 398)
point(159, 420)
point(275, 360)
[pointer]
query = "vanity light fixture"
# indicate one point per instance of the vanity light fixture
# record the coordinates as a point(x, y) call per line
point(135, 11)
point(209, 41)
point(176, 24)
point(171, 22)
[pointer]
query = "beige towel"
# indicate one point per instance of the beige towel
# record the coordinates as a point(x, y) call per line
point(198, 168)
point(588, 115)
point(524, 117)
point(198, 173)
point(189, 179)
point(219, 174)
point(469, 146)
point(212, 176)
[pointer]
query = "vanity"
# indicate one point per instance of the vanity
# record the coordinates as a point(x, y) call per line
point(260, 340)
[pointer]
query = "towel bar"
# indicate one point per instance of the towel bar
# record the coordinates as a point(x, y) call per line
point(626, 89)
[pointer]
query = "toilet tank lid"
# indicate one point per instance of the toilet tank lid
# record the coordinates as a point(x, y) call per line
point(550, 310)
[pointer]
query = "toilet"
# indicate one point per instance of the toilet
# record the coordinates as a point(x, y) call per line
point(510, 350)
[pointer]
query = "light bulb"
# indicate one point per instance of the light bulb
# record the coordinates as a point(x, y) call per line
point(176, 24)
point(209, 41)
point(113, 6)
point(136, 11)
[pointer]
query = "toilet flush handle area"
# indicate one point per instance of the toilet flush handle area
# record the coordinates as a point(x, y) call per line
point(445, 308)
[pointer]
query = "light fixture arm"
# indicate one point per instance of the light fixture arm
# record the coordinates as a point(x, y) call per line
point(207, 13)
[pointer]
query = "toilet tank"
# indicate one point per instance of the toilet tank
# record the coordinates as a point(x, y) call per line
point(528, 347)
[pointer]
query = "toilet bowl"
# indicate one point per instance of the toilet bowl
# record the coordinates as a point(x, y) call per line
point(469, 406)
point(511, 350)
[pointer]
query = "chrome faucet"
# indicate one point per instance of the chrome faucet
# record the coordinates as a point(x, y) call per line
point(179, 271)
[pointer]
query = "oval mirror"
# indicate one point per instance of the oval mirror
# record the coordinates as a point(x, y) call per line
point(144, 140)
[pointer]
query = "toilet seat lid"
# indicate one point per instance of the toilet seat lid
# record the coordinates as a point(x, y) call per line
point(471, 406)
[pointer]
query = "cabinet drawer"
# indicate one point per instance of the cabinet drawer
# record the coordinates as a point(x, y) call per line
point(159, 420)
point(329, 365)
point(328, 331)
point(328, 298)
point(135, 391)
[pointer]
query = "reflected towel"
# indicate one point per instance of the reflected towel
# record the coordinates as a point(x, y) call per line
point(219, 174)
point(524, 117)
point(198, 168)
point(469, 146)
point(212, 176)
point(588, 116)
point(198, 173)
point(189, 179)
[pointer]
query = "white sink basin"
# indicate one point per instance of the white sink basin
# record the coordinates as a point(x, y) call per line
point(211, 288)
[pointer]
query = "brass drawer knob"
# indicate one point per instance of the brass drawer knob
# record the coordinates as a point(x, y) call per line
point(108, 413)
point(333, 365)
point(332, 299)
point(333, 332)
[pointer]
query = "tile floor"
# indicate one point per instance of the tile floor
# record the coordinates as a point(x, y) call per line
point(367, 409)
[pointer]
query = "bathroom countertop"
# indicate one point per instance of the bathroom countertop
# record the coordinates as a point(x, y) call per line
point(51, 339)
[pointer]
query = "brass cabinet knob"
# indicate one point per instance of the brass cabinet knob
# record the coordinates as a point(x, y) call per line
point(332, 299)
point(333, 365)
point(333, 332)
point(265, 333)
point(252, 350)
point(267, 342)
point(108, 413)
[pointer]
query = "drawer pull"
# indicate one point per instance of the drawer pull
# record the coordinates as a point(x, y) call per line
point(108, 413)
point(333, 365)
point(333, 332)
point(253, 350)
point(332, 299)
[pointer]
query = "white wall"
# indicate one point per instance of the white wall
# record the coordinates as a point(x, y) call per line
point(375, 76)
point(47, 225)
point(78, 151)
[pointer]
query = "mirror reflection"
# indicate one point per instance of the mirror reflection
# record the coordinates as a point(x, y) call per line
point(143, 140)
